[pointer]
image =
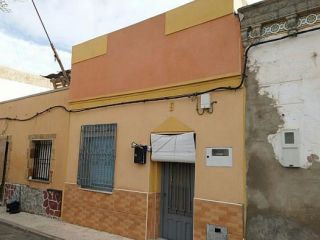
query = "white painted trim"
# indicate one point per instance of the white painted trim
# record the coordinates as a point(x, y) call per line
point(70, 183)
point(118, 189)
point(96, 191)
point(126, 190)
point(215, 201)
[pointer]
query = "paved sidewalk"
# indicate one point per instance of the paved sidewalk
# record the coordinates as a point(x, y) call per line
point(53, 228)
point(9, 232)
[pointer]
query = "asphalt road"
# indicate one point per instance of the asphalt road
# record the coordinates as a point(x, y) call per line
point(8, 232)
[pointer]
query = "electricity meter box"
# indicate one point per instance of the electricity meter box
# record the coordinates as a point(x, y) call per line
point(290, 148)
point(219, 157)
point(140, 154)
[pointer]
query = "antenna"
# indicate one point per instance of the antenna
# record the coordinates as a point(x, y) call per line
point(56, 56)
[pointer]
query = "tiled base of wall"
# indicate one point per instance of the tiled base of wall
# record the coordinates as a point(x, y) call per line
point(217, 213)
point(125, 213)
point(153, 222)
point(122, 212)
point(32, 200)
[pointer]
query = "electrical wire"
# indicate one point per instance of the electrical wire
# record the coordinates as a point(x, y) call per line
point(195, 94)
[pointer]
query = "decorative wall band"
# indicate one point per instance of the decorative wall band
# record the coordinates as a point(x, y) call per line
point(283, 26)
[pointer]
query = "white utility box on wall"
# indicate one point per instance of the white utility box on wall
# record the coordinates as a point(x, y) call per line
point(205, 101)
point(219, 157)
point(290, 148)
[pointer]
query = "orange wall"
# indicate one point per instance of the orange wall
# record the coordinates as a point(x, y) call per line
point(142, 56)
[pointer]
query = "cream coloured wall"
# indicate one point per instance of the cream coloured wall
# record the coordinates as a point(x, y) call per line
point(54, 122)
point(225, 127)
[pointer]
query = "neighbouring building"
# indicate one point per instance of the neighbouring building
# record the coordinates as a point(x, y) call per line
point(15, 84)
point(282, 118)
point(151, 141)
point(33, 152)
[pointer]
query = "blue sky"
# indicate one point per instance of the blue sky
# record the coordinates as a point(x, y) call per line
point(23, 44)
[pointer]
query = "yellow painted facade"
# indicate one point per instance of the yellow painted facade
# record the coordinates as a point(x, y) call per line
point(54, 123)
point(196, 12)
point(224, 127)
point(137, 118)
point(89, 49)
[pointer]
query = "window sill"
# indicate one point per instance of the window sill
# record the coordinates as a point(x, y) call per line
point(38, 181)
point(97, 191)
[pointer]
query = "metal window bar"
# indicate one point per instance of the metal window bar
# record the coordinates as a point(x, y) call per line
point(180, 188)
point(97, 156)
point(42, 159)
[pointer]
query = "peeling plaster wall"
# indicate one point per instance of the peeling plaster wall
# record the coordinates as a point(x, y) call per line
point(283, 92)
point(289, 73)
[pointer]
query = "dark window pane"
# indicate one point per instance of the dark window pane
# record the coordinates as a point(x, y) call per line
point(41, 159)
point(220, 152)
point(289, 138)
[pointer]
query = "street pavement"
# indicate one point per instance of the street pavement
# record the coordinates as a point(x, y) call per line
point(46, 228)
point(8, 232)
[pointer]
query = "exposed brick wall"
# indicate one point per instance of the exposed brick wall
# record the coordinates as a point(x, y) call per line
point(122, 212)
point(153, 223)
point(225, 215)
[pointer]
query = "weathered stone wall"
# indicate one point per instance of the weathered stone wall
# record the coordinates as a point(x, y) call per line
point(271, 10)
point(283, 82)
point(271, 17)
point(43, 202)
point(282, 202)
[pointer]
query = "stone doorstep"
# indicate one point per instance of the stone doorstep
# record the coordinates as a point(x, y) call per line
point(26, 229)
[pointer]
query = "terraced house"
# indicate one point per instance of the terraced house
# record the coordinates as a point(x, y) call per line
point(148, 140)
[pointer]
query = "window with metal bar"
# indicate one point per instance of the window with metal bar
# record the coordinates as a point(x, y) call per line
point(97, 156)
point(41, 159)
